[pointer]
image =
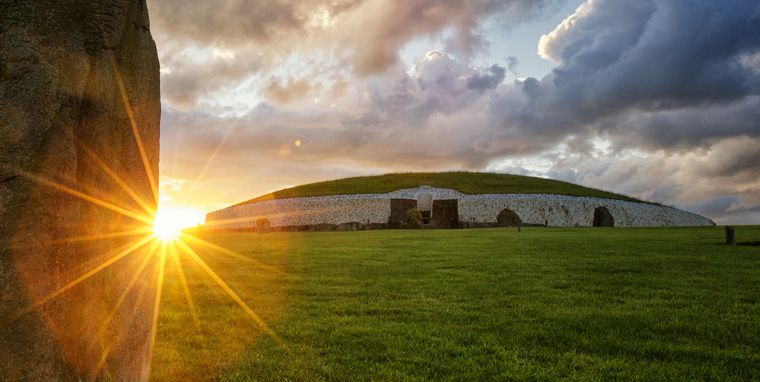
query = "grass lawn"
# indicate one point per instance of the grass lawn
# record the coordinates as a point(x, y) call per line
point(488, 304)
point(465, 182)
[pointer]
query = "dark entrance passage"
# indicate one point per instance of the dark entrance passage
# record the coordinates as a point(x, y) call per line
point(399, 207)
point(446, 213)
point(508, 218)
point(603, 217)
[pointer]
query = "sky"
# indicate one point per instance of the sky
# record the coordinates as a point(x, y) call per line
point(659, 100)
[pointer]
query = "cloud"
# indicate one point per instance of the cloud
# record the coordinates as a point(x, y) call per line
point(405, 119)
point(701, 180)
point(658, 75)
point(208, 46)
point(489, 80)
point(288, 90)
point(512, 64)
point(383, 27)
point(226, 23)
point(673, 88)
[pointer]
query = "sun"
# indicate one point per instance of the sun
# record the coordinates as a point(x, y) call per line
point(169, 222)
point(165, 231)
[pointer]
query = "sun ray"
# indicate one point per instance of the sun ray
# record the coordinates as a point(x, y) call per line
point(213, 155)
point(185, 286)
point(88, 198)
point(207, 244)
point(157, 302)
point(119, 302)
point(110, 235)
point(135, 130)
point(230, 292)
point(85, 276)
point(124, 186)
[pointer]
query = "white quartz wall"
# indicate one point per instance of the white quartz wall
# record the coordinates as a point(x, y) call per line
point(303, 211)
point(571, 211)
point(557, 210)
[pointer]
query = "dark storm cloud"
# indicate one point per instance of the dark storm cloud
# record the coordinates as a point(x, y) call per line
point(686, 128)
point(488, 80)
point(660, 74)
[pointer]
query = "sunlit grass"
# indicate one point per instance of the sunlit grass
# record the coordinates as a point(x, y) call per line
point(165, 239)
point(603, 304)
point(198, 340)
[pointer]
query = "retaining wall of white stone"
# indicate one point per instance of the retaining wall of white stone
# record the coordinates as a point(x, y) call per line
point(556, 210)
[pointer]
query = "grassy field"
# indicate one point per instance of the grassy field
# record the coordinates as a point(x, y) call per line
point(465, 182)
point(489, 304)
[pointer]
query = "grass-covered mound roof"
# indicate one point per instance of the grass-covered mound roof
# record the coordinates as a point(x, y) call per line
point(464, 182)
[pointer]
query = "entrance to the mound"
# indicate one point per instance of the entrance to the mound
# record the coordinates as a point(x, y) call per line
point(425, 206)
point(603, 217)
point(446, 213)
point(508, 218)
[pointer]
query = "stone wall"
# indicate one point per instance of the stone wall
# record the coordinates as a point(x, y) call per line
point(304, 211)
point(474, 210)
point(572, 211)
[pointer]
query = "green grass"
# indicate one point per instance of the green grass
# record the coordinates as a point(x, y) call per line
point(465, 182)
point(489, 304)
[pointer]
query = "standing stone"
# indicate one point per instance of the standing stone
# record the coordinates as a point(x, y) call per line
point(446, 213)
point(730, 235)
point(79, 83)
point(603, 218)
point(399, 208)
point(263, 225)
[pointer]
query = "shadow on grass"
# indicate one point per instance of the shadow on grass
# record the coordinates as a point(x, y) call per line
point(749, 243)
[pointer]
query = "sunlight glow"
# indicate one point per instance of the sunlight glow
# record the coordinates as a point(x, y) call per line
point(166, 224)
point(170, 221)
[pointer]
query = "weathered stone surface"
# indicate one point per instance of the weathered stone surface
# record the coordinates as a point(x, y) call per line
point(78, 79)
point(446, 213)
point(263, 226)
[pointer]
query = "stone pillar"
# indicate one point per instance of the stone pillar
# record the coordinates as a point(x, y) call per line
point(730, 235)
point(79, 119)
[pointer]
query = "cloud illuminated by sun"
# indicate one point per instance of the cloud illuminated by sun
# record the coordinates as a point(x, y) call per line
point(170, 221)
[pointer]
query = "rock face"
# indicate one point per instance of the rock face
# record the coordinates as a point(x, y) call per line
point(79, 111)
